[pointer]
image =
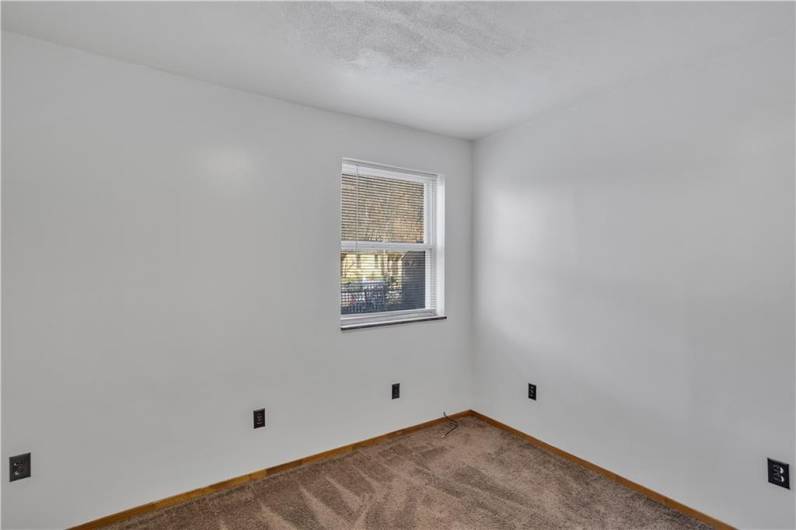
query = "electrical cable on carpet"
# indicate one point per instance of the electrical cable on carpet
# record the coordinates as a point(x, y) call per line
point(451, 421)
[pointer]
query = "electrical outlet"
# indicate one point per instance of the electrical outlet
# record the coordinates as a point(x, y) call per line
point(779, 474)
point(396, 390)
point(19, 467)
point(259, 418)
point(532, 391)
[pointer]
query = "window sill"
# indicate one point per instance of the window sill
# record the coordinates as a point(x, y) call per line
point(363, 325)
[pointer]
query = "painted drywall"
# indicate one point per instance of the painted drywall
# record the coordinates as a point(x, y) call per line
point(634, 257)
point(170, 263)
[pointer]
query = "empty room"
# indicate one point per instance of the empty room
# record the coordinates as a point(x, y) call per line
point(398, 265)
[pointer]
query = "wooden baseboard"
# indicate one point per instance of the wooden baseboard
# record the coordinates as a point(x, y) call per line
point(236, 481)
point(654, 495)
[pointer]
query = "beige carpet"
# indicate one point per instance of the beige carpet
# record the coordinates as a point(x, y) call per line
point(478, 477)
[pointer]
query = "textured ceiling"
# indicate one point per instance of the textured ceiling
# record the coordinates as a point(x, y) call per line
point(459, 68)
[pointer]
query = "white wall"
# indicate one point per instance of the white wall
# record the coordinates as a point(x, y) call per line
point(634, 257)
point(170, 263)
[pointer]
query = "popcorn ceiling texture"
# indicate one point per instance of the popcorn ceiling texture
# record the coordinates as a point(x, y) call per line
point(464, 69)
point(411, 36)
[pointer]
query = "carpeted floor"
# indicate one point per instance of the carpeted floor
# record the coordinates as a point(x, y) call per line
point(478, 477)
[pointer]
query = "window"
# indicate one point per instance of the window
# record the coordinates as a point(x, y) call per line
point(391, 252)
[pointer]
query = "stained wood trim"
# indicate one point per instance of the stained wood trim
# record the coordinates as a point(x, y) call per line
point(237, 481)
point(256, 475)
point(654, 495)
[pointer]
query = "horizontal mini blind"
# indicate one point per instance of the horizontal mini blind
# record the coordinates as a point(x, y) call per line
point(387, 243)
point(383, 209)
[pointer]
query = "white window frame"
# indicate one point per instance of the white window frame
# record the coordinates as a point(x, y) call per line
point(433, 245)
